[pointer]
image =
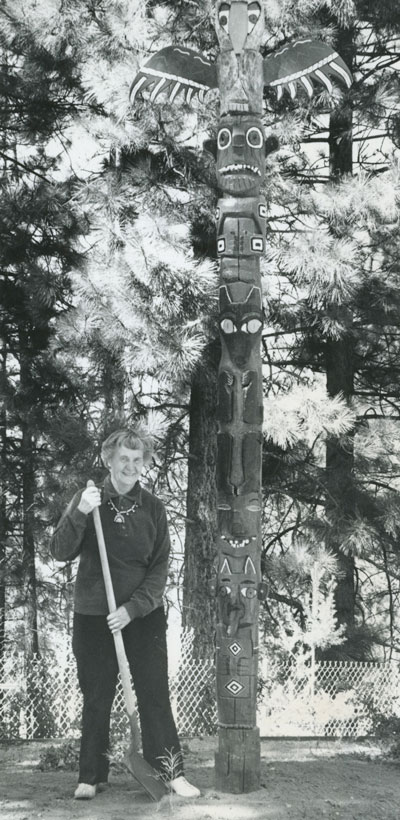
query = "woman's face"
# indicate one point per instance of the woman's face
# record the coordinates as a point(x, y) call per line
point(126, 467)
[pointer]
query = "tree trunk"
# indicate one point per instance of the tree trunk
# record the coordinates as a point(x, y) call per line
point(28, 546)
point(29, 586)
point(340, 381)
point(3, 536)
point(3, 515)
point(201, 528)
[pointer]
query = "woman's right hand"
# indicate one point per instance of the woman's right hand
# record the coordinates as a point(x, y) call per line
point(90, 498)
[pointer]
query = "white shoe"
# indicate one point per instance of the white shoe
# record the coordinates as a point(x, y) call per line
point(85, 791)
point(182, 788)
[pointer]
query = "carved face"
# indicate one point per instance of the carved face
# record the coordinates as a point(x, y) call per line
point(237, 593)
point(240, 320)
point(239, 24)
point(240, 155)
point(238, 517)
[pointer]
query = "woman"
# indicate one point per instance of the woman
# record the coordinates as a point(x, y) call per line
point(136, 534)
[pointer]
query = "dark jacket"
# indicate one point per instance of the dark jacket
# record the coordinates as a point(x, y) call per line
point(138, 551)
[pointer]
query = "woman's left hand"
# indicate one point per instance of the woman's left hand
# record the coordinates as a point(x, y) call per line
point(118, 619)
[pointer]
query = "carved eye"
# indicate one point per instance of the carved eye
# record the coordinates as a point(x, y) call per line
point(224, 138)
point(224, 507)
point(227, 326)
point(223, 16)
point(254, 137)
point(253, 13)
point(224, 591)
point(254, 506)
point(249, 592)
point(252, 326)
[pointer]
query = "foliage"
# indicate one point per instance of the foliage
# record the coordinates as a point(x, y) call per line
point(386, 729)
point(39, 225)
point(63, 756)
point(314, 626)
point(121, 338)
point(330, 344)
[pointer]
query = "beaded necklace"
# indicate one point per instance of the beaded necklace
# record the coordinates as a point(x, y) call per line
point(119, 517)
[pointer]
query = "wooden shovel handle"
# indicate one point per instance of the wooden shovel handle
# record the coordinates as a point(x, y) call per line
point(122, 660)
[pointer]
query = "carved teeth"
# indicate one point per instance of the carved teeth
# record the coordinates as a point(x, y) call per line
point(237, 166)
point(237, 543)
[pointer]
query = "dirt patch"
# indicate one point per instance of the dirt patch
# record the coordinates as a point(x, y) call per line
point(300, 779)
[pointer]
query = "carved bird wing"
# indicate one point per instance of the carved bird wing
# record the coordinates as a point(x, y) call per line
point(173, 69)
point(304, 62)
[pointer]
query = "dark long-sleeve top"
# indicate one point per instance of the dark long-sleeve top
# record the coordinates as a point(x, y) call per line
point(138, 551)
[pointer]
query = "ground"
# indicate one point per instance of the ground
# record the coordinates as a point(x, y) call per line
point(317, 780)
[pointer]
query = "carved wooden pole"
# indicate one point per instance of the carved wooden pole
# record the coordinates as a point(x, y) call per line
point(240, 74)
point(240, 243)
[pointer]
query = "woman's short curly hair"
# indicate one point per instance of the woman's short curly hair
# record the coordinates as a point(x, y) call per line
point(133, 439)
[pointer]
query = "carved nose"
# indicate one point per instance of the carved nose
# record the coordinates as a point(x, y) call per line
point(238, 22)
point(238, 142)
point(237, 528)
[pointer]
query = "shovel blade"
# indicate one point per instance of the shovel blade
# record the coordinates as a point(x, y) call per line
point(145, 775)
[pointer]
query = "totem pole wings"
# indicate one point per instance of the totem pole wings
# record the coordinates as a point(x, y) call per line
point(176, 69)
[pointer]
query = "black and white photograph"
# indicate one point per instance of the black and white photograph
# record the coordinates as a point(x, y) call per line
point(200, 409)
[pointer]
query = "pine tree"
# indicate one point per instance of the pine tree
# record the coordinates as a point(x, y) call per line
point(336, 295)
point(38, 227)
point(145, 304)
point(140, 334)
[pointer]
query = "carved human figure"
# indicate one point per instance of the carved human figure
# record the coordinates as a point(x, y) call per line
point(237, 639)
point(240, 155)
point(237, 593)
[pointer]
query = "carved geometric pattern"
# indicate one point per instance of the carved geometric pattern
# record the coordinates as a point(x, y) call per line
point(249, 567)
point(257, 243)
point(234, 687)
point(235, 648)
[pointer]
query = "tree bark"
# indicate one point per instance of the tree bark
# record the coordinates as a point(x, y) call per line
point(3, 516)
point(28, 515)
point(28, 548)
point(201, 528)
point(340, 381)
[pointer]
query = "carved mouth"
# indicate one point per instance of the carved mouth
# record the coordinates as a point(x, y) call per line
point(238, 168)
point(237, 543)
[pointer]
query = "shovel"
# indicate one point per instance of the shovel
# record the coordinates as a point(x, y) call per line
point(137, 765)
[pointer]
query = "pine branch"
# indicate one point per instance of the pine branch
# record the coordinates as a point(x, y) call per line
point(25, 167)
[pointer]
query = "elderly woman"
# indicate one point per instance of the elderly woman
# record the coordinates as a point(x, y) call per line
point(136, 535)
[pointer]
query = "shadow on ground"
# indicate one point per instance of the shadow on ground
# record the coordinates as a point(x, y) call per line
point(300, 779)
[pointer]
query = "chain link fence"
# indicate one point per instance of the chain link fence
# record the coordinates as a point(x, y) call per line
point(340, 699)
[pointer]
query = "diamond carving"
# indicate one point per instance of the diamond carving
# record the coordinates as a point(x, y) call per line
point(235, 648)
point(234, 687)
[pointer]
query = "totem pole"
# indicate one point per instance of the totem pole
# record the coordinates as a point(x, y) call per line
point(240, 74)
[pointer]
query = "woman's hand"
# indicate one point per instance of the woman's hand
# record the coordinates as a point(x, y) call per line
point(118, 619)
point(90, 498)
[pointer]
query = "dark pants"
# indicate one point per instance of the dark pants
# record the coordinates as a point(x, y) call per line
point(146, 649)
